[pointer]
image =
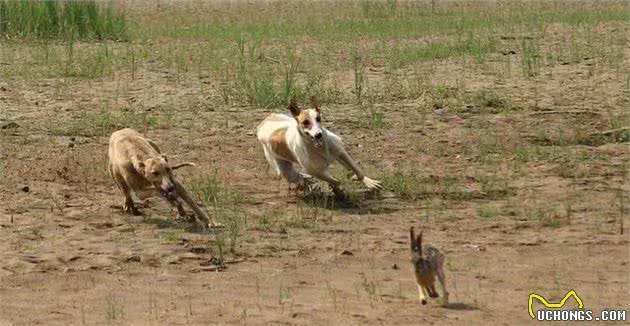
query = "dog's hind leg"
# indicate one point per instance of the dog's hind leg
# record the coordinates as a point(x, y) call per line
point(439, 270)
point(271, 159)
point(288, 172)
point(303, 180)
point(332, 182)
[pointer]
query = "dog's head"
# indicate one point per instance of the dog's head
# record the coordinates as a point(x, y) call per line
point(309, 122)
point(159, 173)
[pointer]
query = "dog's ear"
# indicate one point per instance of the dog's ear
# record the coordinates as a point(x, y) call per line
point(181, 165)
point(138, 164)
point(294, 109)
point(315, 103)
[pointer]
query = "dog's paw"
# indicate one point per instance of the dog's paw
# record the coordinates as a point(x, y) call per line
point(131, 209)
point(372, 184)
point(216, 225)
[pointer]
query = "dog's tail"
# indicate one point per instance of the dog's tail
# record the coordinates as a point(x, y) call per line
point(270, 158)
point(263, 133)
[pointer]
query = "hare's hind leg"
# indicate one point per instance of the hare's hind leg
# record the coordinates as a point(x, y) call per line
point(432, 292)
point(422, 295)
point(442, 279)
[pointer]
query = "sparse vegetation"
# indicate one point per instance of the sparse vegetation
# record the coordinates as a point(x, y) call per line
point(105, 121)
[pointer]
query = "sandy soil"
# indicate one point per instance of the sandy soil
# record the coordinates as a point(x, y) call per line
point(70, 256)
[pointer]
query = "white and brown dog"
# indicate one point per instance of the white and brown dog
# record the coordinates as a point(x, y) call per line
point(137, 165)
point(301, 139)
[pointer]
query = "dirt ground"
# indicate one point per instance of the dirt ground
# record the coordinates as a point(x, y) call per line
point(71, 257)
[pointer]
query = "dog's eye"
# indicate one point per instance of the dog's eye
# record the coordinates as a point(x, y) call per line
point(318, 119)
point(306, 123)
point(155, 173)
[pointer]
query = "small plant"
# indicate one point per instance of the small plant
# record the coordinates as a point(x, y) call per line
point(377, 119)
point(114, 309)
point(378, 9)
point(493, 186)
point(332, 292)
point(530, 59)
point(212, 193)
point(290, 71)
point(487, 212)
point(360, 78)
point(220, 241)
point(491, 99)
point(285, 297)
point(235, 222)
point(223, 203)
point(442, 95)
point(411, 186)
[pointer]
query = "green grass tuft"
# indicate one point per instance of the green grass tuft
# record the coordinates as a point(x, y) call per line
point(84, 19)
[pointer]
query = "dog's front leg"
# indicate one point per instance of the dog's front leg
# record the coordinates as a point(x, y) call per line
point(200, 214)
point(344, 159)
point(177, 203)
point(128, 206)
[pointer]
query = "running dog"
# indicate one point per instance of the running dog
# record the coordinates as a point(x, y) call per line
point(137, 165)
point(300, 139)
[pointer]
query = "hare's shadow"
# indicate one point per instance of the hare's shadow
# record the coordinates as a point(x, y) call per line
point(460, 306)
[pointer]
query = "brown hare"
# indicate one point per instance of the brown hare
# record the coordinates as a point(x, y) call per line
point(427, 264)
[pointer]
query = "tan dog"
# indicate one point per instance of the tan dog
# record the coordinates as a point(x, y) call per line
point(137, 165)
point(300, 139)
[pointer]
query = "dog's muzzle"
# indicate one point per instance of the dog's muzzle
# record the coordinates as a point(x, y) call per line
point(318, 140)
point(170, 193)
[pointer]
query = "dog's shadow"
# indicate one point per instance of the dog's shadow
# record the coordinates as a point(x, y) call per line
point(329, 201)
point(353, 203)
point(162, 221)
point(166, 222)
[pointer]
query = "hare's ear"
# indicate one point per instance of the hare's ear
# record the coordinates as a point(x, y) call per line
point(419, 242)
point(412, 239)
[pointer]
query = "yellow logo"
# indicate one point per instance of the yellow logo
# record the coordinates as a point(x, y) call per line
point(552, 305)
